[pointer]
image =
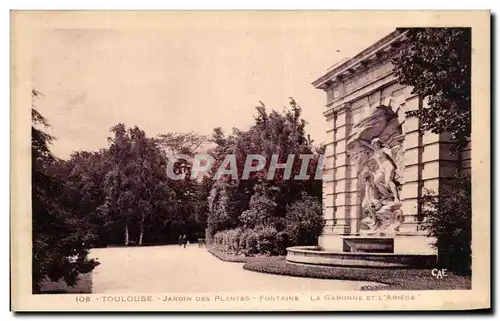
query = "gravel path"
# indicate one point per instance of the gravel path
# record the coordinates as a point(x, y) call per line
point(174, 269)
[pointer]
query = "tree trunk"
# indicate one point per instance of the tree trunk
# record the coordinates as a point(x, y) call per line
point(141, 229)
point(141, 234)
point(126, 234)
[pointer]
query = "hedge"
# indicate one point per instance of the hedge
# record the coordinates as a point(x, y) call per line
point(249, 242)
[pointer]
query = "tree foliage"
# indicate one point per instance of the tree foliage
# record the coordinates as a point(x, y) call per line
point(122, 194)
point(224, 204)
point(304, 220)
point(448, 217)
point(84, 174)
point(201, 206)
point(136, 187)
point(262, 208)
point(181, 143)
point(436, 62)
point(190, 193)
point(60, 240)
point(258, 202)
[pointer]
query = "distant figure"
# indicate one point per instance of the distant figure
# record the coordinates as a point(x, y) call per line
point(184, 240)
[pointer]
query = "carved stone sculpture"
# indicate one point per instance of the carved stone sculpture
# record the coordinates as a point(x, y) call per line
point(379, 165)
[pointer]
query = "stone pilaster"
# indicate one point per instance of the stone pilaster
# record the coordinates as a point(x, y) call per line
point(439, 162)
point(335, 185)
point(328, 181)
point(340, 172)
point(411, 181)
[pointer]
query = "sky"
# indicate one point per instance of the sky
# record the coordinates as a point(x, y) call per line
point(184, 78)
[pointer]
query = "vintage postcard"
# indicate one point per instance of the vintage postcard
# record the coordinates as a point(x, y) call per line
point(250, 160)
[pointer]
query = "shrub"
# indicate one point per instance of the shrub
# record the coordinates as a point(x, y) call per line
point(251, 246)
point(242, 241)
point(227, 241)
point(234, 240)
point(447, 217)
point(282, 242)
point(237, 241)
point(304, 220)
point(248, 218)
point(217, 239)
point(266, 238)
point(262, 208)
point(222, 213)
point(249, 242)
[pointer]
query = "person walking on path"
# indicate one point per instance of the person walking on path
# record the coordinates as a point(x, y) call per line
point(184, 240)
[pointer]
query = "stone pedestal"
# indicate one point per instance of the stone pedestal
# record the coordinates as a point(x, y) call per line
point(407, 243)
point(361, 244)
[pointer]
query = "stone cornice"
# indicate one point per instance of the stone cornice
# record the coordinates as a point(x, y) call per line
point(332, 111)
point(360, 61)
point(364, 90)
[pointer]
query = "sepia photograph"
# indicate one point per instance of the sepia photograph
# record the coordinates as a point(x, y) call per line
point(250, 161)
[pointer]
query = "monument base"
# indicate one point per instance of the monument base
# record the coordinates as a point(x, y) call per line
point(368, 244)
point(410, 250)
point(404, 243)
point(316, 256)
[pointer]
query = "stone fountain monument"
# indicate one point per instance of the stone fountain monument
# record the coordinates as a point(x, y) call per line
point(377, 166)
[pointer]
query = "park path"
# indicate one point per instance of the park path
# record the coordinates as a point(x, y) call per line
point(175, 269)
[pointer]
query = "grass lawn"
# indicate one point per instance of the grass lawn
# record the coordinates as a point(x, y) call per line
point(396, 279)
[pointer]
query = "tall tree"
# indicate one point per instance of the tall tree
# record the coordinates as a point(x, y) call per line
point(436, 62)
point(60, 240)
point(201, 202)
point(189, 194)
point(137, 190)
point(273, 133)
point(84, 174)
